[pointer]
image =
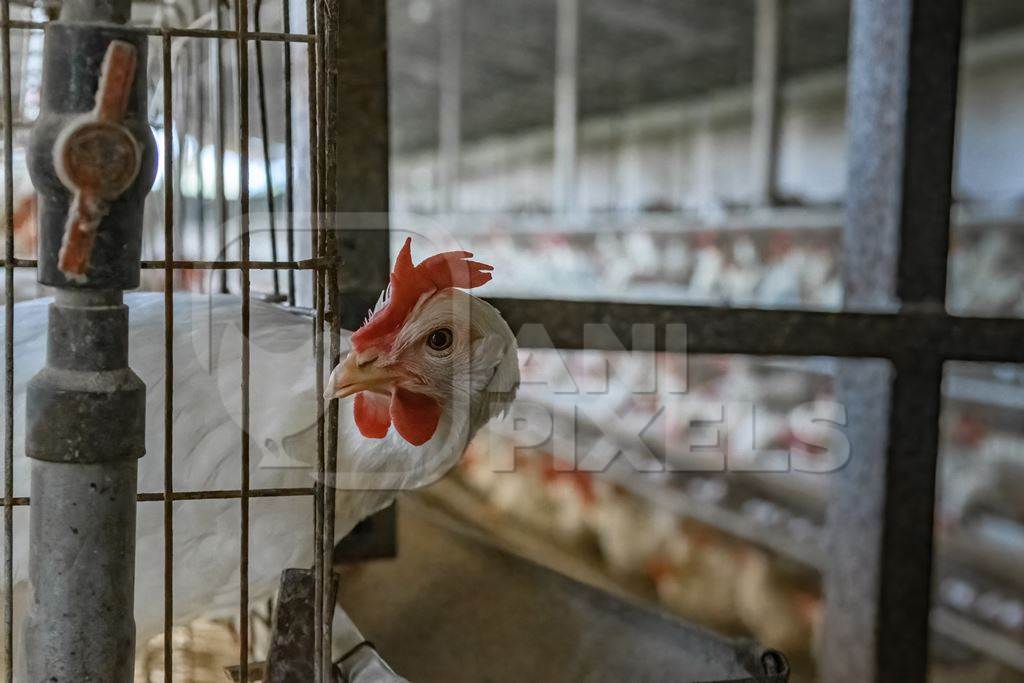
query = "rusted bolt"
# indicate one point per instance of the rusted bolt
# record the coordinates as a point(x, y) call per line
point(97, 159)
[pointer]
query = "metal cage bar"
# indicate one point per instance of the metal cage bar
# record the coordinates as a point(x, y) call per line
point(261, 98)
point(222, 202)
point(318, 265)
point(896, 237)
point(242, 37)
point(161, 264)
point(315, 17)
point(242, 43)
point(848, 334)
point(179, 32)
point(206, 494)
point(168, 161)
point(8, 119)
point(289, 154)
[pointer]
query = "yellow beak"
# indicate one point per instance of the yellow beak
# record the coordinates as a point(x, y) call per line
point(351, 377)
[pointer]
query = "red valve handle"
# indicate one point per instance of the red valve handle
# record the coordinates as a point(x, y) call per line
point(81, 153)
point(117, 75)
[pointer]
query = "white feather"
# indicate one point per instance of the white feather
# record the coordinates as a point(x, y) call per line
point(207, 441)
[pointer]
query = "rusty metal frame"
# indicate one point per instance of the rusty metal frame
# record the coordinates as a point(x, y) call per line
point(904, 69)
point(778, 332)
point(904, 61)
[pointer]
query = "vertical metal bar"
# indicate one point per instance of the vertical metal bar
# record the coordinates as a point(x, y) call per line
point(902, 99)
point(242, 39)
point(314, 56)
point(222, 201)
point(168, 160)
point(265, 138)
point(929, 139)
point(8, 345)
point(289, 152)
point(321, 562)
point(356, 168)
point(450, 103)
point(767, 67)
point(200, 85)
point(330, 483)
point(330, 67)
point(354, 179)
point(319, 557)
point(566, 104)
point(357, 157)
point(180, 93)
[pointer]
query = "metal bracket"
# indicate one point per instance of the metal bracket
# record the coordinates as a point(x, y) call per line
point(290, 659)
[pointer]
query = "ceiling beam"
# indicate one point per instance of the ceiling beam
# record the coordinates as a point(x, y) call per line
point(649, 19)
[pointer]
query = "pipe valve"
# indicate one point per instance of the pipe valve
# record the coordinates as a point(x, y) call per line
point(97, 159)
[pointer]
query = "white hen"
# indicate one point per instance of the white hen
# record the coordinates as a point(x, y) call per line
point(452, 367)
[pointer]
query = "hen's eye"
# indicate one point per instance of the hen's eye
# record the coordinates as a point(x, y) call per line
point(440, 339)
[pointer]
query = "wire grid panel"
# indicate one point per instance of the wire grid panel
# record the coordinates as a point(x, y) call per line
point(224, 84)
point(246, 38)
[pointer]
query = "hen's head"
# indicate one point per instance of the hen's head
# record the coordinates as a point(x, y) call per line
point(429, 351)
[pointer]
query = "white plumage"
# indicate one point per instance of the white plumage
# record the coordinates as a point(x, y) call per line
point(207, 446)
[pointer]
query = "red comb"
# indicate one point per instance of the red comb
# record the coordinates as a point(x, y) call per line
point(410, 283)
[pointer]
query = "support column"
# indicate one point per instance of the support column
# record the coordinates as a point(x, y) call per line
point(566, 104)
point(356, 205)
point(765, 130)
point(85, 410)
point(450, 115)
point(904, 59)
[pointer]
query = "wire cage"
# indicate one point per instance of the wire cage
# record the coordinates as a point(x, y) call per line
point(240, 105)
point(320, 162)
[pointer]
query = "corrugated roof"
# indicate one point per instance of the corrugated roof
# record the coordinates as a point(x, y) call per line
point(632, 52)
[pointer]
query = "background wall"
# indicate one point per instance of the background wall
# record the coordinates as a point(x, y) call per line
point(694, 154)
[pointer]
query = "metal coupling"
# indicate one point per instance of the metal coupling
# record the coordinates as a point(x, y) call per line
point(86, 405)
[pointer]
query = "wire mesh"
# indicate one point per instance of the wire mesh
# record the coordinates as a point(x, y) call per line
point(185, 102)
point(242, 37)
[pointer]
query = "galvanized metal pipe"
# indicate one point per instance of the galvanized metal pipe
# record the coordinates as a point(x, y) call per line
point(86, 420)
point(81, 626)
point(85, 409)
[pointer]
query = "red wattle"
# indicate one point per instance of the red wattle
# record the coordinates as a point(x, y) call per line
point(415, 416)
point(371, 414)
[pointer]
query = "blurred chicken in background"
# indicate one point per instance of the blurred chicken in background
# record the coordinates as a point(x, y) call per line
point(696, 575)
point(780, 604)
